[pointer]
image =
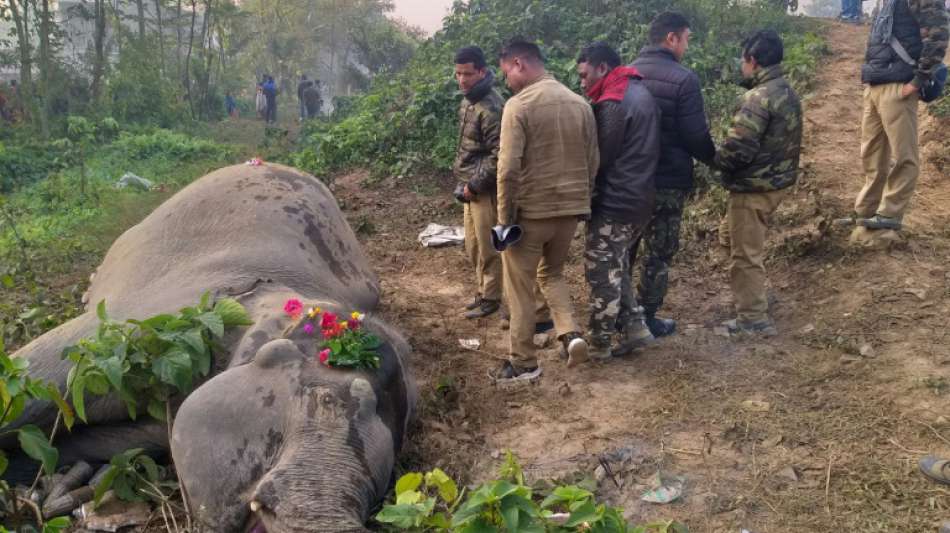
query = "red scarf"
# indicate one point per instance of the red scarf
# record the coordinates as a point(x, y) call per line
point(613, 85)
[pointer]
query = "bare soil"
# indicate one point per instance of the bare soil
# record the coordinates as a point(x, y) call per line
point(843, 402)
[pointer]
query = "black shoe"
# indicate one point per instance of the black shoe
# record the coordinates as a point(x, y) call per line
point(485, 308)
point(509, 372)
point(475, 304)
point(660, 327)
point(541, 327)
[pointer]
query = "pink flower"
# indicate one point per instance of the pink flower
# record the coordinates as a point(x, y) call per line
point(308, 328)
point(293, 307)
point(353, 324)
point(325, 356)
point(329, 320)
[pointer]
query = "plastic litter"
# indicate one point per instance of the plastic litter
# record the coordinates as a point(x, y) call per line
point(436, 235)
point(664, 489)
point(131, 181)
point(470, 344)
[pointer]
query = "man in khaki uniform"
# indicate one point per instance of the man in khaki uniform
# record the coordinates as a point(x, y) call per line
point(907, 43)
point(759, 160)
point(546, 169)
point(476, 163)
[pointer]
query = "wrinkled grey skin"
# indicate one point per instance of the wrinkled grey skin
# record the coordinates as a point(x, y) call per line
point(313, 447)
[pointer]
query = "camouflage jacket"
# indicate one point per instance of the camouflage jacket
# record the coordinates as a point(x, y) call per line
point(764, 143)
point(476, 161)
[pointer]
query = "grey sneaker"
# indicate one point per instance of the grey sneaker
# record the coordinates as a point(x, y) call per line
point(576, 348)
point(936, 469)
point(764, 328)
point(474, 304)
point(635, 335)
point(508, 373)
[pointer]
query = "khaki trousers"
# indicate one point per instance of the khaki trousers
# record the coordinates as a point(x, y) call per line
point(538, 258)
point(480, 215)
point(888, 131)
point(743, 232)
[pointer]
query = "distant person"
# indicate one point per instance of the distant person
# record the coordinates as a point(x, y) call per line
point(260, 101)
point(312, 99)
point(475, 169)
point(301, 88)
point(908, 42)
point(851, 11)
point(759, 162)
point(628, 136)
point(269, 88)
point(684, 136)
point(230, 105)
point(4, 112)
point(547, 162)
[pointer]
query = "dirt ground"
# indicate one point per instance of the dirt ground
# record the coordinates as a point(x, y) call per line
point(817, 430)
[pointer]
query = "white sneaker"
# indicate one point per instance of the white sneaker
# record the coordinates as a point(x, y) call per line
point(577, 352)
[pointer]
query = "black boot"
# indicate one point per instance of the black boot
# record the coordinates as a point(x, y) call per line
point(485, 308)
point(660, 327)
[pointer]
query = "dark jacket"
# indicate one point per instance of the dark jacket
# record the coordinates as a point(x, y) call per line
point(921, 28)
point(764, 143)
point(685, 132)
point(476, 160)
point(302, 88)
point(628, 134)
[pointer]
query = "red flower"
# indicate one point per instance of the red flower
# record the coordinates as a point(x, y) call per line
point(293, 307)
point(329, 319)
point(353, 324)
point(324, 356)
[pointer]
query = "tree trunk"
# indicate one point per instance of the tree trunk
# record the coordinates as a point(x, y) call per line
point(99, 39)
point(140, 7)
point(22, 22)
point(191, 45)
point(178, 46)
point(161, 37)
point(45, 67)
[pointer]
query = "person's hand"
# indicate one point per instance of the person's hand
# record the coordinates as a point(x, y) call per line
point(468, 194)
point(907, 90)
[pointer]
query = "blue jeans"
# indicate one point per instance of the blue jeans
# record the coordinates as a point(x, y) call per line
point(851, 9)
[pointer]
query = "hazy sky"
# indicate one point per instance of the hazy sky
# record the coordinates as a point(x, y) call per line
point(427, 14)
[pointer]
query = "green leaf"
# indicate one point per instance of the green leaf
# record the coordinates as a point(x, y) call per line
point(156, 409)
point(174, 368)
point(409, 482)
point(585, 513)
point(402, 516)
point(232, 313)
point(105, 483)
point(97, 383)
point(112, 368)
point(148, 464)
point(7, 281)
point(157, 321)
point(409, 497)
point(56, 524)
point(101, 311)
point(205, 300)
point(447, 488)
point(510, 513)
point(35, 444)
point(213, 322)
point(69, 417)
point(4, 462)
point(193, 339)
point(78, 388)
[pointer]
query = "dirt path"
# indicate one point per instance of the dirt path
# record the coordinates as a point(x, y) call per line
point(818, 430)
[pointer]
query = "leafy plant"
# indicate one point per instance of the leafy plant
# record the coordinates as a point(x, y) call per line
point(132, 476)
point(433, 503)
point(147, 362)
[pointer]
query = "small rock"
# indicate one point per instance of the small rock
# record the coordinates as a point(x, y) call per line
point(564, 389)
point(866, 350)
point(808, 329)
point(721, 331)
point(542, 340)
point(772, 441)
point(756, 406)
point(113, 514)
point(600, 473)
point(921, 294)
point(496, 454)
point(789, 473)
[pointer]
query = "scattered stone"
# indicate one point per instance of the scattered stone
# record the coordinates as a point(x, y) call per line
point(790, 473)
point(773, 441)
point(542, 340)
point(564, 389)
point(808, 329)
point(496, 454)
point(866, 350)
point(848, 359)
point(721, 331)
point(756, 406)
point(921, 294)
point(600, 473)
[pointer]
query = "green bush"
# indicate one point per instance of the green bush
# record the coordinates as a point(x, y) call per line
point(168, 144)
point(407, 121)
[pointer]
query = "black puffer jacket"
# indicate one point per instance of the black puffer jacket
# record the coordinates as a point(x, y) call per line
point(881, 63)
point(685, 132)
point(628, 134)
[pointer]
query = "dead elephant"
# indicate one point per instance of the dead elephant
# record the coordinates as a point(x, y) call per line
point(274, 440)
